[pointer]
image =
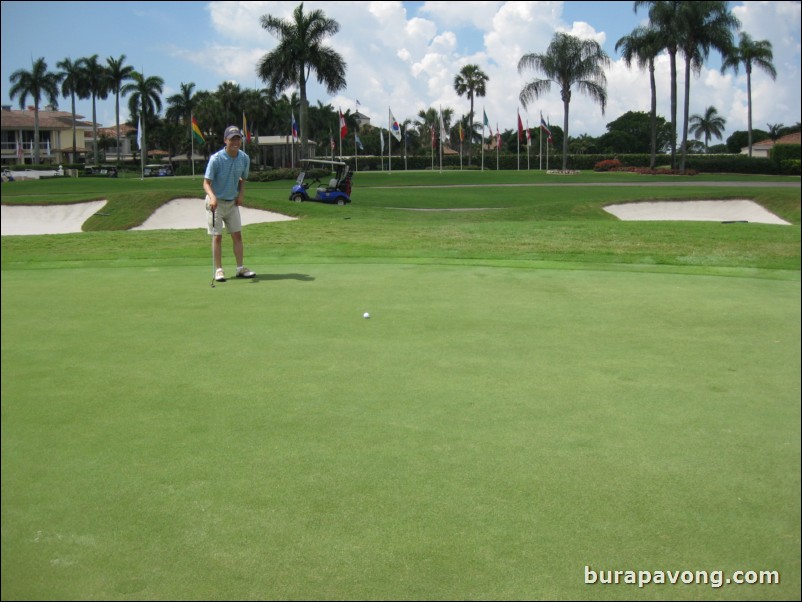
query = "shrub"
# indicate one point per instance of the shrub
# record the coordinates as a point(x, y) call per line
point(607, 165)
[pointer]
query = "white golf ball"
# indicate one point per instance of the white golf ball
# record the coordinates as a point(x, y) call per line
point(366, 315)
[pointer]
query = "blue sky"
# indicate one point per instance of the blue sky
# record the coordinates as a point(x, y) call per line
point(401, 56)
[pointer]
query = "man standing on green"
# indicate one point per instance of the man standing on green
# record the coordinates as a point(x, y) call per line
point(224, 184)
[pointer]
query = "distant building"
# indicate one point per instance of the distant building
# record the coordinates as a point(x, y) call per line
point(361, 119)
point(763, 148)
point(55, 136)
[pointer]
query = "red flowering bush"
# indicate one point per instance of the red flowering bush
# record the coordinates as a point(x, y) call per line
point(607, 165)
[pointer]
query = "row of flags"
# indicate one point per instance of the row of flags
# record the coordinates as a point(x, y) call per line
point(393, 127)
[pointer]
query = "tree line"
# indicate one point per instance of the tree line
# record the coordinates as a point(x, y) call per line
point(686, 30)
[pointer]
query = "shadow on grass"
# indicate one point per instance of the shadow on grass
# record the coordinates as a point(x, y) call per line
point(301, 277)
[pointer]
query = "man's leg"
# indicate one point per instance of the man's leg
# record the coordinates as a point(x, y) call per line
point(236, 239)
point(217, 251)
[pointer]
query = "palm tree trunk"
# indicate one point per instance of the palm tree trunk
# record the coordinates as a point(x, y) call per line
point(566, 104)
point(685, 115)
point(117, 114)
point(653, 156)
point(94, 130)
point(749, 106)
point(470, 135)
point(673, 61)
point(36, 132)
point(74, 141)
point(303, 118)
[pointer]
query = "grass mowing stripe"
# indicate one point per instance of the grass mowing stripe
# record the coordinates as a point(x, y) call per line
point(487, 433)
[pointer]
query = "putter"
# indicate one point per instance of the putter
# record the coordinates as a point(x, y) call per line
point(213, 266)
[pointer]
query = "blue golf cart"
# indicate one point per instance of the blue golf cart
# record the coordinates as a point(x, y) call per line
point(338, 190)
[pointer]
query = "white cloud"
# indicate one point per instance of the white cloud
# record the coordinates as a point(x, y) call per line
point(408, 60)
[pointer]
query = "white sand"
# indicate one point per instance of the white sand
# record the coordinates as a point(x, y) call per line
point(182, 214)
point(695, 211)
point(179, 214)
point(46, 219)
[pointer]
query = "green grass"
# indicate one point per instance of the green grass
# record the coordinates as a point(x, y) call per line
point(540, 387)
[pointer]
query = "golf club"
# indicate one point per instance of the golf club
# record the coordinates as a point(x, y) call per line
point(213, 267)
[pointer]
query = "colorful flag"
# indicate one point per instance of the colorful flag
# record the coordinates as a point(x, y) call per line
point(395, 129)
point(139, 133)
point(544, 127)
point(295, 135)
point(358, 142)
point(245, 128)
point(528, 134)
point(343, 128)
point(442, 127)
point(196, 132)
point(498, 136)
point(461, 133)
point(520, 127)
point(487, 123)
point(19, 151)
point(433, 135)
point(381, 137)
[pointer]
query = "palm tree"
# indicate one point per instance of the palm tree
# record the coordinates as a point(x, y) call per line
point(774, 130)
point(664, 18)
point(471, 81)
point(179, 108)
point(300, 51)
point(431, 118)
point(117, 76)
point(751, 54)
point(36, 83)
point(230, 95)
point(97, 81)
point(703, 25)
point(708, 125)
point(145, 101)
point(567, 61)
point(72, 85)
point(643, 45)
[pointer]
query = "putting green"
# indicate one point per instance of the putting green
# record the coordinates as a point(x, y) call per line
point(487, 433)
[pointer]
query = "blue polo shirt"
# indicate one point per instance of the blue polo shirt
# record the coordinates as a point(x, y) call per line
point(225, 173)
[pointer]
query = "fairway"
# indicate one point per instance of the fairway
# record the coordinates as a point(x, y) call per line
point(530, 399)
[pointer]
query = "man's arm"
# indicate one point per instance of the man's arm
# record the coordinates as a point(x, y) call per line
point(207, 186)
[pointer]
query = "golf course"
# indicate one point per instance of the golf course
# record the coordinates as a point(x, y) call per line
point(546, 402)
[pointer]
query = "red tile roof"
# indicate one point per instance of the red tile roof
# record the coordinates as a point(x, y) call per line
point(51, 120)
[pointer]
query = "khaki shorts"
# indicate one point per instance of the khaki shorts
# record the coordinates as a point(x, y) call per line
point(227, 213)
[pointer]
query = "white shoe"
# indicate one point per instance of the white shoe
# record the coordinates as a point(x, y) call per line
point(219, 275)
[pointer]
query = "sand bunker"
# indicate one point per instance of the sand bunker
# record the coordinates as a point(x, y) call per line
point(182, 214)
point(46, 219)
point(179, 214)
point(695, 211)
point(188, 213)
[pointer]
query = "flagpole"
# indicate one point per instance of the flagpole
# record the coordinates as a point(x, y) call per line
point(540, 135)
point(442, 132)
point(356, 150)
point(192, 145)
point(498, 143)
point(528, 143)
point(389, 142)
point(432, 146)
point(141, 141)
point(484, 119)
point(404, 138)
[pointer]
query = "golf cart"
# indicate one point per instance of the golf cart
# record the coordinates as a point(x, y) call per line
point(338, 189)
